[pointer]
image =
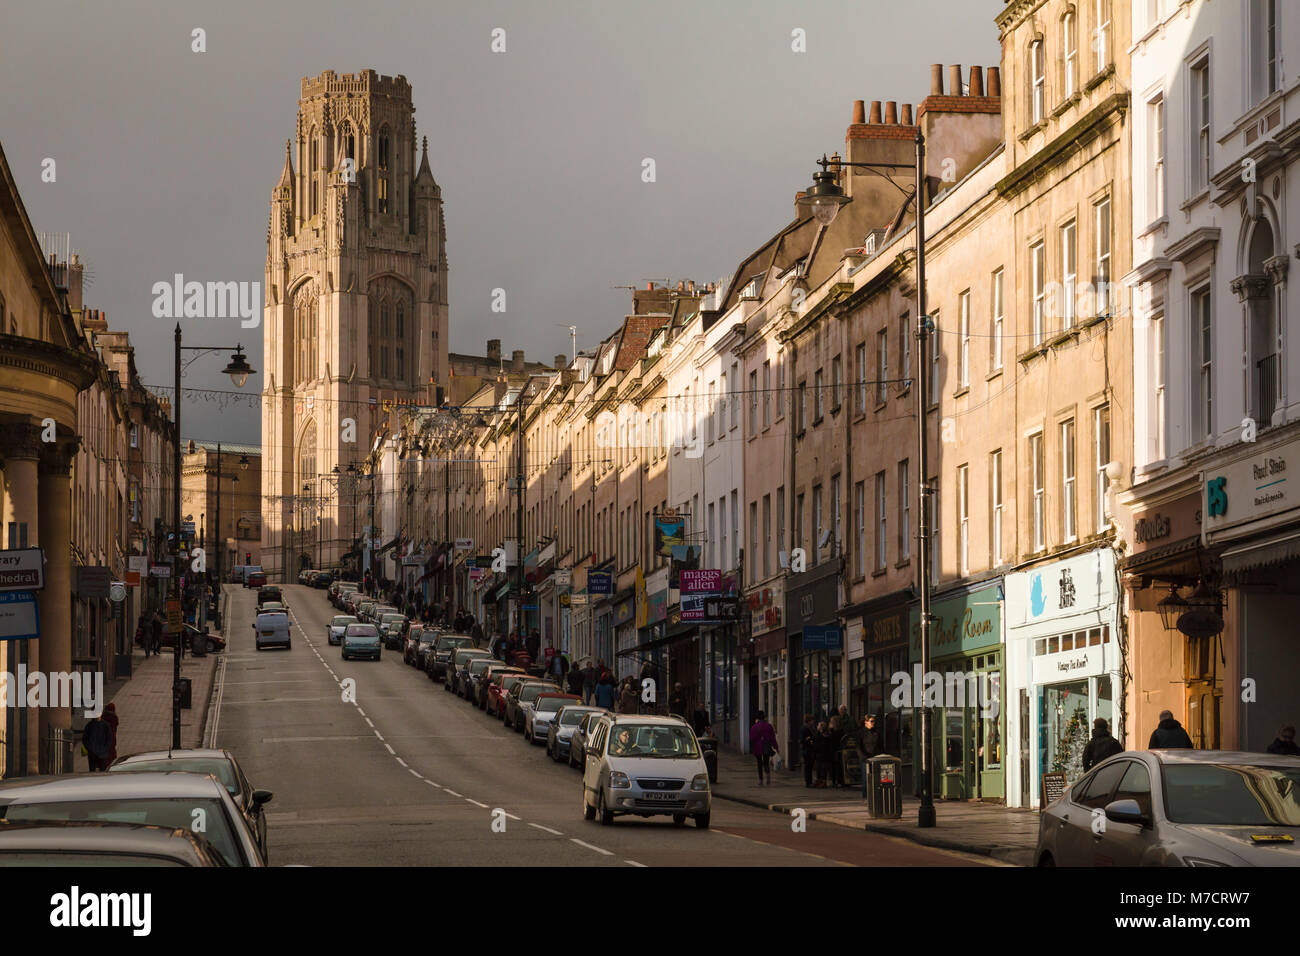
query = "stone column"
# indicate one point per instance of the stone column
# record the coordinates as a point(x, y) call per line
point(21, 445)
point(1276, 269)
point(55, 511)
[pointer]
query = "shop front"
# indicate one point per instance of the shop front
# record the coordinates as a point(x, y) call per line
point(882, 637)
point(963, 691)
point(624, 625)
point(767, 656)
point(816, 645)
point(1063, 668)
point(1252, 591)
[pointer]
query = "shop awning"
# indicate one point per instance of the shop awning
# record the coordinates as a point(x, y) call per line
point(392, 544)
point(1260, 554)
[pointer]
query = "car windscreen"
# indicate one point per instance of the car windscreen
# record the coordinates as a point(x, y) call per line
point(479, 665)
point(362, 630)
point(221, 769)
point(80, 858)
point(1232, 795)
point(269, 622)
point(175, 813)
point(572, 717)
point(451, 643)
point(550, 704)
point(652, 740)
point(361, 640)
point(341, 620)
point(532, 691)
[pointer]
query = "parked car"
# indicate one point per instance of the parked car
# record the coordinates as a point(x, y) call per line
point(526, 691)
point(1177, 808)
point(166, 800)
point(363, 610)
point(272, 630)
point(647, 766)
point(436, 665)
point(424, 650)
point(84, 843)
point(209, 641)
point(560, 731)
point(539, 714)
point(392, 636)
point(269, 592)
point(361, 641)
point(409, 641)
point(251, 571)
point(323, 579)
point(337, 625)
point(222, 765)
point(497, 692)
point(581, 735)
point(473, 671)
point(342, 595)
point(460, 659)
point(485, 679)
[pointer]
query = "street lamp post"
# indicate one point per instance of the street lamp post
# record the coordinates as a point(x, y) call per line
point(824, 200)
point(238, 369)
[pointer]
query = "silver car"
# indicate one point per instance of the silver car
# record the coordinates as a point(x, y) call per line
point(646, 766)
point(540, 713)
point(338, 624)
point(1177, 808)
point(559, 734)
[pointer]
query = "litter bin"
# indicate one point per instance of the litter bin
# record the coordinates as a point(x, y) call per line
point(883, 796)
point(184, 688)
point(709, 751)
point(199, 644)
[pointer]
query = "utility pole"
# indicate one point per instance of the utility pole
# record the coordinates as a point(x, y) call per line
point(176, 555)
point(926, 813)
point(218, 540)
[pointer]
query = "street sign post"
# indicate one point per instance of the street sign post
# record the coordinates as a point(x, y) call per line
point(174, 616)
point(19, 617)
point(22, 569)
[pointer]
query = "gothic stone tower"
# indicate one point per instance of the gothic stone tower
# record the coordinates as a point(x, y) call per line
point(356, 308)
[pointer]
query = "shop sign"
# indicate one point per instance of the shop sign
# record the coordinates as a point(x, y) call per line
point(701, 582)
point(817, 638)
point(624, 611)
point(959, 624)
point(815, 601)
point(881, 631)
point(1252, 487)
point(138, 563)
point(600, 583)
point(658, 602)
point(1061, 588)
point(22, 569)
point(1172, 522)
point(1069, 665)
point(563, 578)
point(766, 608)
point(464, 544)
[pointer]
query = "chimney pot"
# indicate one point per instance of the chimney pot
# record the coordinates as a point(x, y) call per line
point(859, 112)
point(995, 81)
point(907, 114)
point(977, 81)
point(517, 360)
point(494, 350)
point(954, 79)
point(649, 286)
point(891, 113)
point(874, 118)
point(936, 79)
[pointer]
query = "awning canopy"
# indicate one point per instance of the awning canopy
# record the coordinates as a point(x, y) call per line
point(392, 544)
point(1261, 553)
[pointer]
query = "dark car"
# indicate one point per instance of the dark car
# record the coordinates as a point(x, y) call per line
point(255, 579)
point(456, 667)
point(436, 664)
point(270, 592)
point(564, 728)
point(424, 649)
point(581, 734)
point(485, 679)
point(222, 765)
point(467, 678)
point(82, 843)
point(167, 800)
point(409, 643)
point(361, 641)
point(526, 691)
point(210, 642)
point(323, 579)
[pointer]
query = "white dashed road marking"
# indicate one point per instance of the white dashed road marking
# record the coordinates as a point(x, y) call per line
point(589, 846)
point(547, 829)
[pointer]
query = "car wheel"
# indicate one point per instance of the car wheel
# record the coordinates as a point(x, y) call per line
point(259, 647)
point(588, 811)
point(1047, 860)
point(679, 819)
point(606, 815)
point(702, 820)
point(210, 646)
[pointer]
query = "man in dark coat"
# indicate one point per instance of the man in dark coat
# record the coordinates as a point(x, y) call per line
point(1169, 734)
point(677, 702)
point(1101, 746)
point(533, 645)
point(1284, 743)
point(808, 748)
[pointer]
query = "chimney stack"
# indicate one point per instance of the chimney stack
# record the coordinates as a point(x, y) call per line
point(874, 118)
point(561, 360)
point(936, 79)
point(954, 79)
point(907, 114)
point(995, 81)
point(517, 360)
point(977, 81)
point(891, 113)
point(494, 350)
point(859, 112)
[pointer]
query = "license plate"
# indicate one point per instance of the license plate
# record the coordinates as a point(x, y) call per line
point(659, 796)
point(268, 633)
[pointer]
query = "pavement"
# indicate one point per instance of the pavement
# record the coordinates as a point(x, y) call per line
point(144, 703)
point(1001, 833)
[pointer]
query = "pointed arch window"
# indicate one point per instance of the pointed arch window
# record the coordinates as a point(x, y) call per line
point(306, 330)
point(312, 163)
point(399, 367)
point(385, 161)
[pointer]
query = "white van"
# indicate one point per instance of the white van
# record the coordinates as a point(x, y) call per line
point(272, 630)
point(647, 766)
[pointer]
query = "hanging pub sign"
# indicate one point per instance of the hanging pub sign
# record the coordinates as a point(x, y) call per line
point(670, 532)
point(600, 583)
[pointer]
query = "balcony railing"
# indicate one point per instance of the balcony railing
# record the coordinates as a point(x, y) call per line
point(1266, 389)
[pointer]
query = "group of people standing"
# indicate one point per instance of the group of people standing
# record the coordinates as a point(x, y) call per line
point(821, 742)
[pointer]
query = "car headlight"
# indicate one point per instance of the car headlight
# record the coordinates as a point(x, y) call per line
point(1201, 861)
point(618, 780)
point(701, 782)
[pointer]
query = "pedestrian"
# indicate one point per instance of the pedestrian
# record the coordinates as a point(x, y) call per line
point(823, 753)
point(1169, 734)
point(155, 638)
point(847, 723)
point(627, 698)
point(1284, 743)
point(868, 738)
point(589, 678)
point(110, 718)
point(606, 691)
point(837, 744)
point(476, 632)
point(533, 644)
point(559, 667)
point(95, 738)
point(1101, 746)
point(808, 748)
point(576, 681)
point(677, 702)
point(762, 742)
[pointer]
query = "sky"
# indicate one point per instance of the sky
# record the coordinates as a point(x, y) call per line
point(165, 158)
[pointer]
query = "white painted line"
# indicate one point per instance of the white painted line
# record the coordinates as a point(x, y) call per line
point(401, 761)
point(547, 829)
point(359, 710)
point(476, 803)
point(452, 792)
point(634, 863)
point(416, 773)
point(370, 722)
point(390, 749)
point(510, 815)
point(432, 784)
point(589, 846)
point(380, 736)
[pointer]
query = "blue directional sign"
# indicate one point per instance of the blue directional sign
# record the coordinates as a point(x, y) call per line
point(822, 639)
point(19, 617)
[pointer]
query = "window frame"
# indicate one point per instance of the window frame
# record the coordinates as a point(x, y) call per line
point(882, 523)
point(1037, 491)
point(999, 319)
point(1067, 433)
